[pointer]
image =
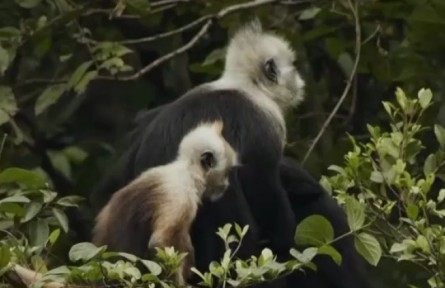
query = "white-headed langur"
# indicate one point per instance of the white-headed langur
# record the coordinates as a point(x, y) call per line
point(158, 207)
point(258, 85)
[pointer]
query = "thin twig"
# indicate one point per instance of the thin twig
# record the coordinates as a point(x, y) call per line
point(222, 13)
point(354, 9)
point(166, 34)
point(166, 57)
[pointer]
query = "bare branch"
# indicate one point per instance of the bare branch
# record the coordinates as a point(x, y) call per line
point(222, 13)
point(355, 12)
point(166, 34)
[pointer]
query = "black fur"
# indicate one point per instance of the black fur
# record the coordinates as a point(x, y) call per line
point(255, 196)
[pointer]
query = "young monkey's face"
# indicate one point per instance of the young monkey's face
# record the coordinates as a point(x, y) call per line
point(217, 166)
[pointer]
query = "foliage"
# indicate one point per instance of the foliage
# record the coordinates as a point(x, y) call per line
point(402, 197)
point(66, 101)
point(97, 264)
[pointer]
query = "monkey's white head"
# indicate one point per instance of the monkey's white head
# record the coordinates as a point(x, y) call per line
point(209, 154)
point(265, 60)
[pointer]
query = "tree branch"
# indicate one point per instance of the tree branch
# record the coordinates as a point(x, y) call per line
point(355, 13)
point(210, 18)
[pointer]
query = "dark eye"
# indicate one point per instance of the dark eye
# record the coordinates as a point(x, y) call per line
point(208, 160)
point(270, 70)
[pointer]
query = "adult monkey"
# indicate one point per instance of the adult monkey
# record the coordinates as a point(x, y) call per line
point(299, 185)
point(258, 84)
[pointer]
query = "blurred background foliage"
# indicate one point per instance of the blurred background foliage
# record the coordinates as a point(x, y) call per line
point(75, 73)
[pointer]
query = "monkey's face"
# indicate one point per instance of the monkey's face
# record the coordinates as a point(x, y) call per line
point(279, 73)
point(217, 166)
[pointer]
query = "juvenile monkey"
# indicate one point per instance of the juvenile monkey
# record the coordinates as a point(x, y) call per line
point(158, 207)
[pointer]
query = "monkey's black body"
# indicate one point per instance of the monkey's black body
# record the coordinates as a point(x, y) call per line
point(244, 200)
point(255, 196)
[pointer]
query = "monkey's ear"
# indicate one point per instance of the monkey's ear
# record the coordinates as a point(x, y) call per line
point(218, 126)
point(207, 160)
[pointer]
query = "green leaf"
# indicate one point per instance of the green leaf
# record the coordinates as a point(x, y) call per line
point(215, 56)
point(49, 97)
point(441, 196)
point(346, 63)
point(141, 6)
point(307, 255)
point(61, 217)
point(355, 212)
point(28, 4)
point(423, 244)
point(79, 73)
point(83, 84)
point(368, 247)
point(413, 211)
point(8, 105)
point(39, 231)
point(425, 96)
point(430, 165)
point(22, 176)
point(4, 60)
point(309, 13)
point(377, 177)
point(15, 199)
point(31, 211)
point(84, 251)
point(5, 256)
point(440, 135)
point(401, 99)
point(332, 252)
point(69, 201)
point(314, 230)
point(53, 236)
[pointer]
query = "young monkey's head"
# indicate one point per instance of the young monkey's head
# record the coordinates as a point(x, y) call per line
point(210, 155)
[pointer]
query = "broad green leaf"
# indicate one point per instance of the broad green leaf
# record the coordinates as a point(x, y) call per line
point(377, 177)
point(346, 63)
point(309, 13)
point(441, 195)
point(15, 199)
point(355, 212)
point(49, 97)
point(13, 208)
point(413, 211)
point(430, 165)
point(5, 255)
point(314, 230)
point(4, 60)
point(61, 217)
point(332, 252)
point(48, 196)
point(423, 244)
point(8, 105)
point(440, 135)
point(214, 56)
point(52, 238)
point(28, 4)
point(84, 251)
point(86, 79)
point(31, 211)
point(22, 176)
point(368, 247)
point(69, 201)
point(425, 96)
point(401, 98)
point(79, 73)
point(306, 256)
point(141, 6)
point(39, 232)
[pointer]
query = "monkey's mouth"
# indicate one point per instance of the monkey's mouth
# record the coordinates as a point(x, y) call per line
point(215, 193)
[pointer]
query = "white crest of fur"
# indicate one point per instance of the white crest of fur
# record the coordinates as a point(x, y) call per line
point(247, 52)
point(206, 138)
